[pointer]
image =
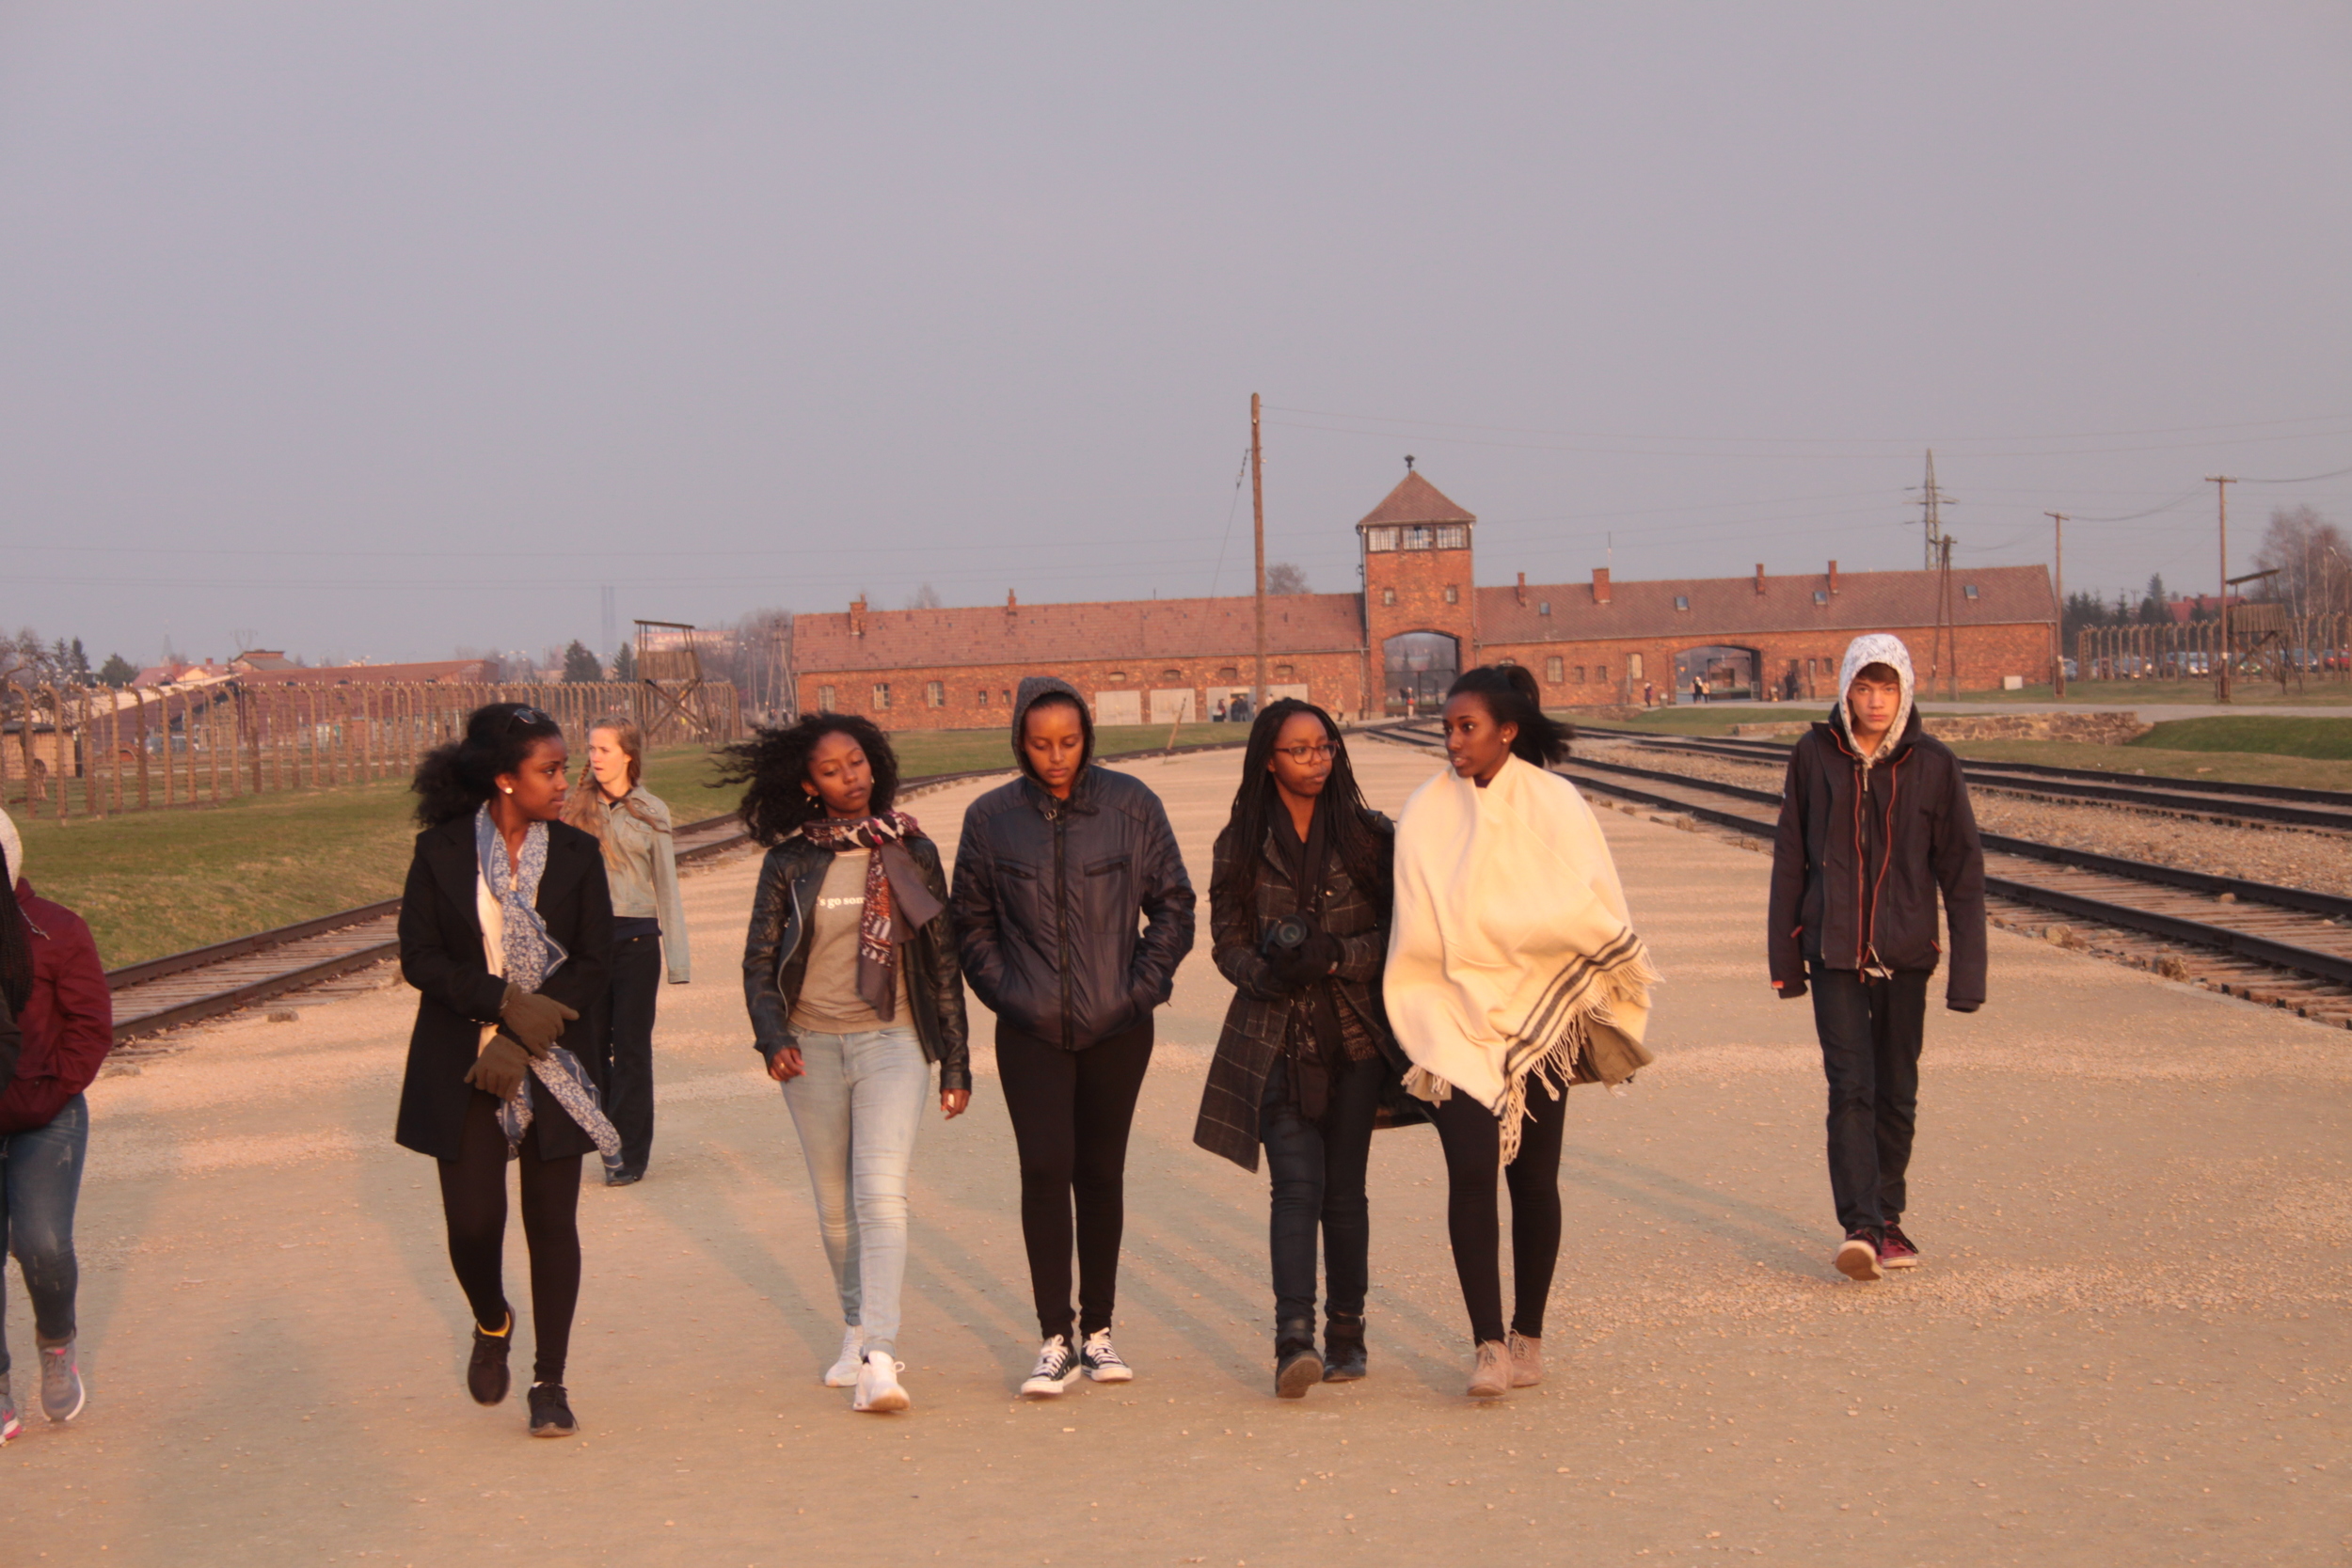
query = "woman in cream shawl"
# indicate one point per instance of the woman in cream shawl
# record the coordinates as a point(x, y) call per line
point(1512, 974)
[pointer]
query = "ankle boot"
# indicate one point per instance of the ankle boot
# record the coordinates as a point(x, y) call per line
point(1343, 1353)
point(1295, 1364)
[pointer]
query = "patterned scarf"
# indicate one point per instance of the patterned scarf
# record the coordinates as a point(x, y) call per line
point(897, 902)
point(529, 954)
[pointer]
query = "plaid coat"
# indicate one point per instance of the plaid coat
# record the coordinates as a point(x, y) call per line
point(1259, 1018)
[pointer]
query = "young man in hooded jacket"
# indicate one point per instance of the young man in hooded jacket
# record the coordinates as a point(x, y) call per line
point(1874, 821)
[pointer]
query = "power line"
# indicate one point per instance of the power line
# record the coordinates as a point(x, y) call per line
point(1815, 440)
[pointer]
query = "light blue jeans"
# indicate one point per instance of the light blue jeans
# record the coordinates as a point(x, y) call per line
point(856, 1110)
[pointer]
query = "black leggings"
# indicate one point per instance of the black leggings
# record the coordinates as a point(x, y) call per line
point(473, 1201)
point(1071, 1110)
point(1474, 1148)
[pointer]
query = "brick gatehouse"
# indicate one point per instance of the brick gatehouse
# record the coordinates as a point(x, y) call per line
point(1420, 617)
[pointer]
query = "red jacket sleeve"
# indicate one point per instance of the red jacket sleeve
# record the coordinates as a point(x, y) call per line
point(73, 1011)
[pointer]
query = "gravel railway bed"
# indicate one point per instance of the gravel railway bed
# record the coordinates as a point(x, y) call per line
point(2282, 946)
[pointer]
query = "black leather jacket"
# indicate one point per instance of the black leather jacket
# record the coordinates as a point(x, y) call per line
point(1048, 897)
point(775, 958)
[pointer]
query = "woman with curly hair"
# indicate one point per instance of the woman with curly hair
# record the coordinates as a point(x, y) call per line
point(850, 974)
point(506, 933)
point(1512, 972)
point(610, 804)
point(1299, 910)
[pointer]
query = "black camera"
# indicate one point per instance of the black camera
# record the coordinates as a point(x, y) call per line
point(1284, 936)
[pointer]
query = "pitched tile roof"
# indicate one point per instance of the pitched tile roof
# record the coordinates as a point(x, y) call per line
point(444, 671)
point(1724, 608)
point(1416, 500)
point(1040, 636)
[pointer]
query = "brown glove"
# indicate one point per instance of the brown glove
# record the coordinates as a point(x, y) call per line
point(500, 1068)
point(534, 1019)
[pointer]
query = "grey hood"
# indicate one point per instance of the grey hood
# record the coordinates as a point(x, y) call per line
point(1877, 647)
point(1034, 687)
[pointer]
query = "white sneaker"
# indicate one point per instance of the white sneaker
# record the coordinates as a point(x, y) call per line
point(1055, 1369)
point(844, 1370)
point(1101, 1362)
point(878, 1387)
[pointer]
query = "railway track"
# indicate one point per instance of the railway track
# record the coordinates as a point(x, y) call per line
point(2285, 947)
point(2216, 800)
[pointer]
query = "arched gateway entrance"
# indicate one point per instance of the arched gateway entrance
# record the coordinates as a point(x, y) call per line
point(1729, 672)
point(1418, 667)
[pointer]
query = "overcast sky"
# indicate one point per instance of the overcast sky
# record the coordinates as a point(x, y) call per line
point(373, 330)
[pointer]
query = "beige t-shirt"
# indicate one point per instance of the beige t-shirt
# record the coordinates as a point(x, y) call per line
point(828, 1002)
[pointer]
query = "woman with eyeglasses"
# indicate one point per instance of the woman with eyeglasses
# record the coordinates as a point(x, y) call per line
point(1298, 912)
point(612, 805)
point(506, 933)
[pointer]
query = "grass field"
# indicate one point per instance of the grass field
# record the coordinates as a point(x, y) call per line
point(2329, 738)
point(161, 881)
point(2316, 693)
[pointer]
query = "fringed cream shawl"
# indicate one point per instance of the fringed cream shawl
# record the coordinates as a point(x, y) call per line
point(1510, 952)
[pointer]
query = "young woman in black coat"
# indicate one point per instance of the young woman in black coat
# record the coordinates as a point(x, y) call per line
point(506, 933)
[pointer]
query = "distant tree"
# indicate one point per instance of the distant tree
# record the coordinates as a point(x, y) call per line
point(77, 662)
point(582, 667)
point(118, 672)
point(624, 664)
point(1285, 576)
point(2310, 556)
point(925, 597)
point(2152, 608)
point(2083, 612)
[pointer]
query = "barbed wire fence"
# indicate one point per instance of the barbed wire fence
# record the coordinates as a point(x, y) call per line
point(97, 750)
point(2268, 643)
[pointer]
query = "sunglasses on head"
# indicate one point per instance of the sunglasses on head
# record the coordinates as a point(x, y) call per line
point(523, 715)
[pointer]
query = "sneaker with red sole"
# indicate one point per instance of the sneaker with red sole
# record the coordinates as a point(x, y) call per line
point(1858, 1257)
point(1896, 1250)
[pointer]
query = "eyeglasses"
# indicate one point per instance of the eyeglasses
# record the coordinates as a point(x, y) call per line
point(523, 715)
point(1305, 755)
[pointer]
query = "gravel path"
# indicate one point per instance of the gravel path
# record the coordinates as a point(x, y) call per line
point(2290, 856)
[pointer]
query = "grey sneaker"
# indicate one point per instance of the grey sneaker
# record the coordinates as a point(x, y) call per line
point(61, 1393)
point(9, 1426)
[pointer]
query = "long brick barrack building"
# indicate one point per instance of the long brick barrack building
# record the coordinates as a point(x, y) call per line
point(1422, 617)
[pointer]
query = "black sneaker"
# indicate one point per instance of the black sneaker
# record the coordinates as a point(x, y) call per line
point(1858, 1255)
point(1896, 1250)
point(550, 1411)
point(486, 1378)
point(1345, 1360)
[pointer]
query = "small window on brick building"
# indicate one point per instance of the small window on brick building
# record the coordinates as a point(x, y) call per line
point(882, 696)
point(983, 696)
point(1225, 672)
point(1555, 670)
point(1580, 674)
point(1820, 595)
point(1118, 676)
point(1453, 594)
point(1969, 589)
point(1007, 694)
point(1600, 674)
point(1283, 672)
point(1171, 676)
point(824, 699)
point(1388, 595)
point(1682, 601)
point(935, 694)
point(1544, 608)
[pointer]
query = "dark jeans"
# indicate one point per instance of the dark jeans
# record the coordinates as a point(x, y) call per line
point(1318, 1182)
point(1071, 1110)
point(1870, 1037)
point(624, 1033)
point(41, 1177)
point(473, 1201)
point(1473, 1151)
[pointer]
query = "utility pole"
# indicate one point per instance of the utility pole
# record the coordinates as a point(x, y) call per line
point(1930, 509)
point(1257, 508)
point(2221, 484)
point(2058, 677)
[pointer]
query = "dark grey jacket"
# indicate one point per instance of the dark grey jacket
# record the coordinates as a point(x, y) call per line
point(1049, 894)
point(775, 958)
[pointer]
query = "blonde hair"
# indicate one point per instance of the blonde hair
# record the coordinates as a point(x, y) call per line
point(585, 809)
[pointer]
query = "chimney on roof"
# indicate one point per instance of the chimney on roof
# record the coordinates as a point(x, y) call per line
point(1600, 585)
point(1832, 577)
point(1012, 602)
point(857, 616)
point(1760, 576)
point(1522, 588)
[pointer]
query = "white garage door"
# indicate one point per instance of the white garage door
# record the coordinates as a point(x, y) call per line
point(1174, 704)
point(1119, 707)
